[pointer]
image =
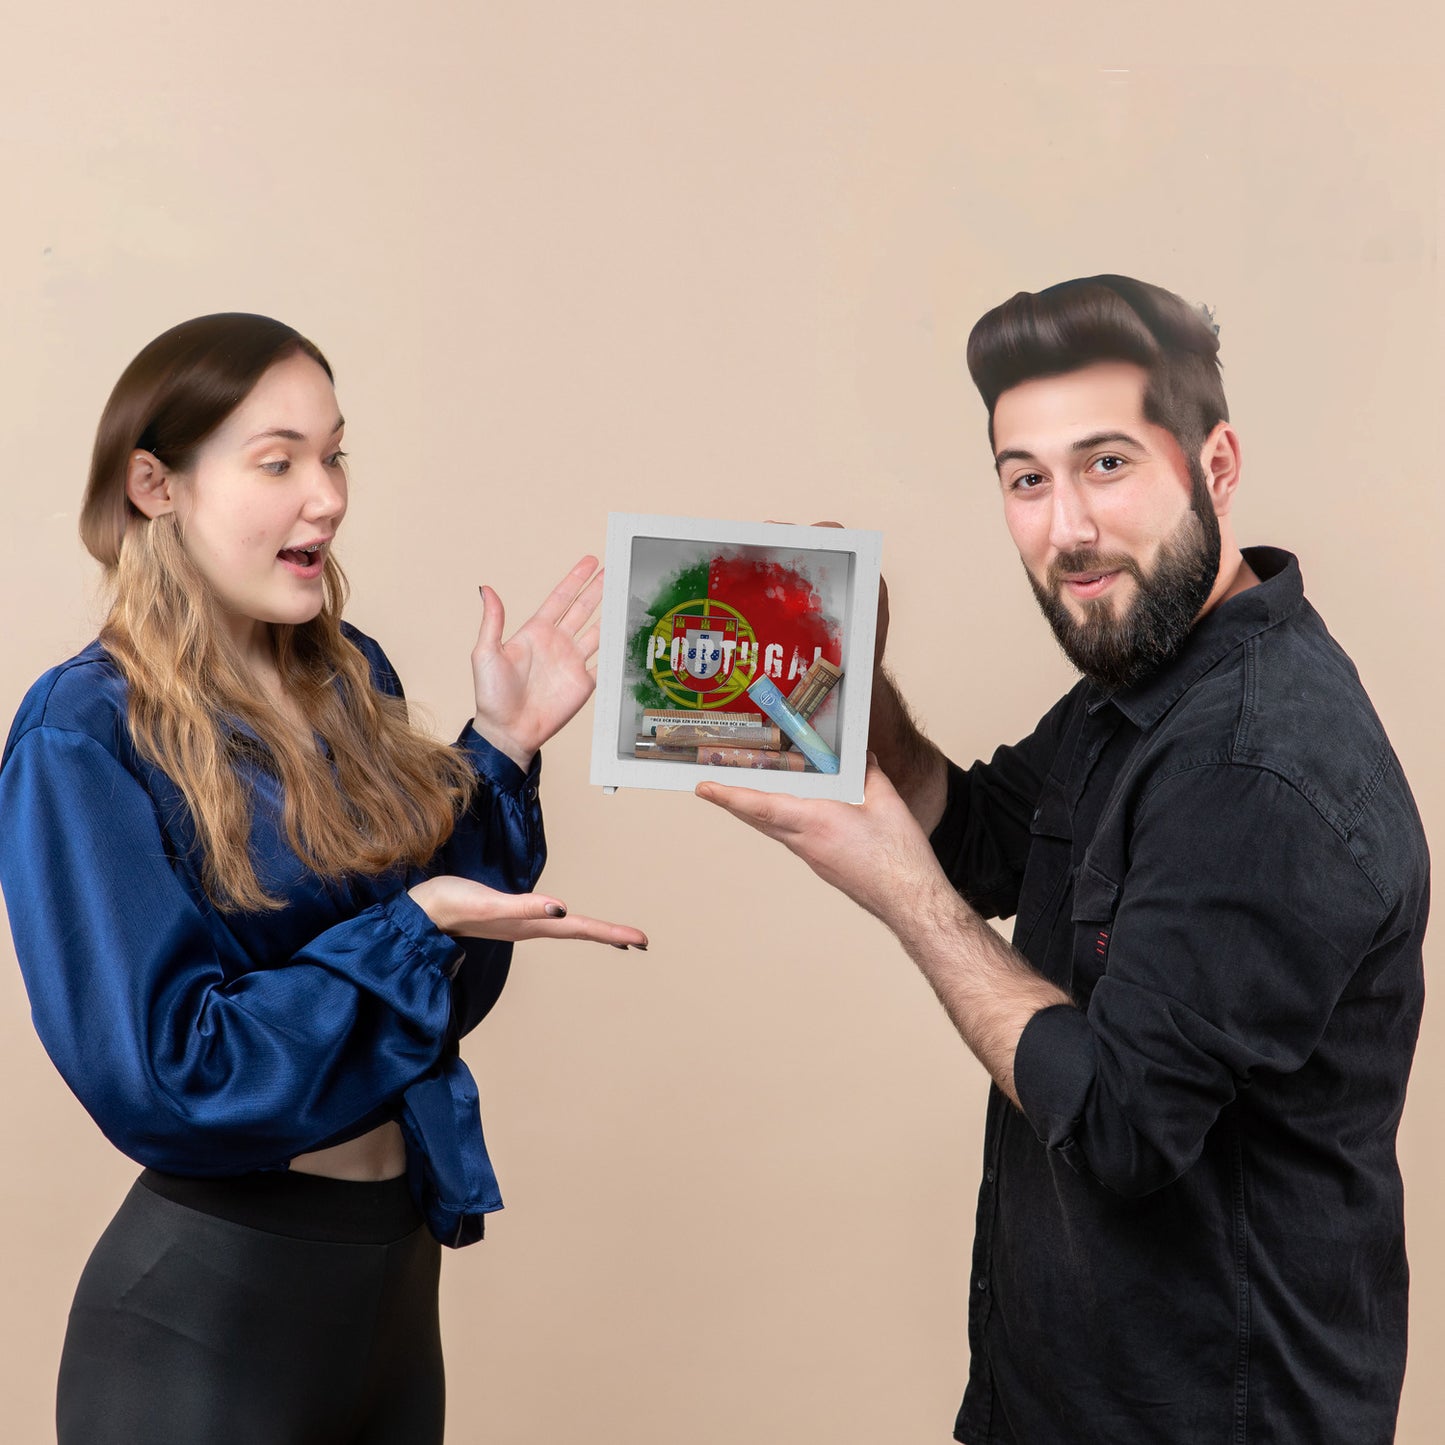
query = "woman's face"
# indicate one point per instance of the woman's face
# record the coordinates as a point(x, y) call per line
point(261, 504)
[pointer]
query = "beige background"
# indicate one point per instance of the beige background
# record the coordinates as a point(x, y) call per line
point(720, 259)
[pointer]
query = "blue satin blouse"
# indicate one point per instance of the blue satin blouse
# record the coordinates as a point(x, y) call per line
point(209, 1043)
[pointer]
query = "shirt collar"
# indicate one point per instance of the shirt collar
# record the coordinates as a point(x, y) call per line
point(1279, 595)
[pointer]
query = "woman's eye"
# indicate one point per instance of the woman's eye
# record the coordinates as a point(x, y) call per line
point(335, 459)
point(277, 469)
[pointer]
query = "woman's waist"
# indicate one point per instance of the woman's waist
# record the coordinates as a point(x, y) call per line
point(296, 1205)
point(379, 1154)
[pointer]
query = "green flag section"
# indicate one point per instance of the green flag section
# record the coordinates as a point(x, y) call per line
point(714, 626)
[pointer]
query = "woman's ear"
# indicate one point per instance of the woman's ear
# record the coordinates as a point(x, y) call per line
point(148, 484)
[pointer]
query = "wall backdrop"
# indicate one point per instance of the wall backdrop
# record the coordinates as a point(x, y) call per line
point(716, 259)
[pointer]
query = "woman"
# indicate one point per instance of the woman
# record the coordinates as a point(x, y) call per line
point(255, 912)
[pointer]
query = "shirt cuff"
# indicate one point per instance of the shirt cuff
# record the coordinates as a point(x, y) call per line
point(497, 768)
point(440, 950)
point(1053, 1072)
point(946, 839)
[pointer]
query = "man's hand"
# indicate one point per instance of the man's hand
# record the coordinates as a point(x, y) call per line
point(528, 687)
point(874, 852)
point(880, 635)
point(877, 854)
point(914, 765)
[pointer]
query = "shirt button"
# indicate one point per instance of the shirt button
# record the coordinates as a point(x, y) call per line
point(982, 1284)
point(1037, 811)
point(989, 1175)
point(531, 794)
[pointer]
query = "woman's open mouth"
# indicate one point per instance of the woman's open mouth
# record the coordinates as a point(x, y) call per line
point(304, 561)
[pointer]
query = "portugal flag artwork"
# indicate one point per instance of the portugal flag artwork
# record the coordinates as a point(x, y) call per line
point(703, 627)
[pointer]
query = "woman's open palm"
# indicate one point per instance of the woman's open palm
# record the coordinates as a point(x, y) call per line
point(531, 685)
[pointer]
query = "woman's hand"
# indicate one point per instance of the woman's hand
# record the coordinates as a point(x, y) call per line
point(465, 909)
point(531, 685)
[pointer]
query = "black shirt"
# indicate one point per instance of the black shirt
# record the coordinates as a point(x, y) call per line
point(1194, 1230)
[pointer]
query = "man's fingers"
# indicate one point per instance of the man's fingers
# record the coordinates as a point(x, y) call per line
point(764, 811)
point(879, 794)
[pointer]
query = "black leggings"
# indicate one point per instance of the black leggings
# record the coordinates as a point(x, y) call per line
point(278, 1309)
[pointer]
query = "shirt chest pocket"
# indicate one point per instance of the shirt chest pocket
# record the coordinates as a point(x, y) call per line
point(1046, 875)
point(1095, 900)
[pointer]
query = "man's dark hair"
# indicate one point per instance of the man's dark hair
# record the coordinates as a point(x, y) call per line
point(1106, 318)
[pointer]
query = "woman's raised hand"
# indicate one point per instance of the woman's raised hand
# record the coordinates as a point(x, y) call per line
point(531, 685)
point(466, 909)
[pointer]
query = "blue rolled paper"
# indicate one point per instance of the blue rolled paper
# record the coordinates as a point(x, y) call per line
point(766, 694)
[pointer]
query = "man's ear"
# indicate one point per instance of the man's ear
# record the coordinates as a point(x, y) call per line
point(1220, 460)
point(148, 484)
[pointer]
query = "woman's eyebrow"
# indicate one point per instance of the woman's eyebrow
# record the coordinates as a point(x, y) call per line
point(288, 435)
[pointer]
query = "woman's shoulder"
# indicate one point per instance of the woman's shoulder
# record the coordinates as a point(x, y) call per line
point(84, 694)
point(383, 674)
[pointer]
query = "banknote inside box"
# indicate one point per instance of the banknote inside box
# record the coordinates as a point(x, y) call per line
point(727, 648)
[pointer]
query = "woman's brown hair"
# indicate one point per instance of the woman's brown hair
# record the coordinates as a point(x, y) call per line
point(1106, 318)
point(387, 795)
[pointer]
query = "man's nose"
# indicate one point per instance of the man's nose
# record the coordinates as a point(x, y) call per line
point(1070, 524)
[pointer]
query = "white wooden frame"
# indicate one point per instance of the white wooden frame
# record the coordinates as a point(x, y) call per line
point(861, 552)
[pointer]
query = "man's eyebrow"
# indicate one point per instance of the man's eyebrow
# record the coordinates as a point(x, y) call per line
point(1012, 454)
point(285, 434)
point(1084, 444)
point(1101, 438)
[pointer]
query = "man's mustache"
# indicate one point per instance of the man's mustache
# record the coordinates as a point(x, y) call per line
point(1073, 564)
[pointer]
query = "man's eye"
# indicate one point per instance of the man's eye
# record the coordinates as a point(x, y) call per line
point(1025, 482)
point(1110, 463)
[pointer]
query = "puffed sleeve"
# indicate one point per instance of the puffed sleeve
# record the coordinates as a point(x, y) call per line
point(182, 1069)
point(498, 841)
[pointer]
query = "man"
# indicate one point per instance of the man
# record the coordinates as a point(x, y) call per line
point(1190, 1223)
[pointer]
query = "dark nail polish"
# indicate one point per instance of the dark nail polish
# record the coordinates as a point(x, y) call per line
point(622, 946)
point(555, 910)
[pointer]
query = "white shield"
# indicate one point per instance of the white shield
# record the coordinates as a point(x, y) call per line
point(702, 654)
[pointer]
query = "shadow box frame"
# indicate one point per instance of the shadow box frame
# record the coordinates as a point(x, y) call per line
point(862, 551)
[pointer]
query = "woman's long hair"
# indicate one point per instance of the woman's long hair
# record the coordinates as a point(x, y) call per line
point(387, 795)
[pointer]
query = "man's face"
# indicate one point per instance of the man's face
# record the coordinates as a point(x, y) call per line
point(1113, 523)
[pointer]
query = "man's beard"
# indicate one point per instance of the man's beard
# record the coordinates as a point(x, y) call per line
point(1116, 651)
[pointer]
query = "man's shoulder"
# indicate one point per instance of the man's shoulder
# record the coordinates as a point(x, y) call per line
point(1289, 701)
point(1304, 699)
